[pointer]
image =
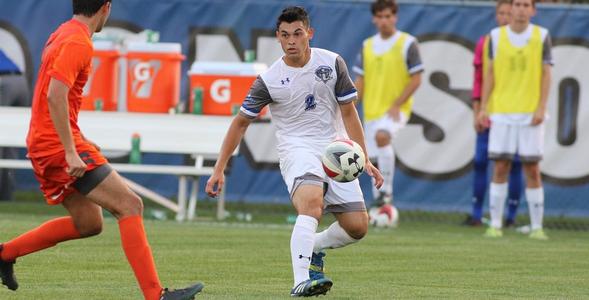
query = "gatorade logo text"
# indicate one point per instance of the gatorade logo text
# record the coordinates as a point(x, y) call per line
point(221, 90)
point(144, 73)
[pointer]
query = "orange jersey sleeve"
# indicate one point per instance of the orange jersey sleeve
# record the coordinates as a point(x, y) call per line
point(73, 58)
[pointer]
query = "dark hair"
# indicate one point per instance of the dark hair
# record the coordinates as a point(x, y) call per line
point(533, 2)
point(380, 5)
point(293, 14)
point(88, 8)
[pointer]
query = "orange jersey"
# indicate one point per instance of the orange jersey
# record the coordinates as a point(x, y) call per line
point(67, 57)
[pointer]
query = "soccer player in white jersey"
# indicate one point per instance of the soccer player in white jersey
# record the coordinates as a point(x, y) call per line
point(515, 92)
point(311, 98)
point(388, 72)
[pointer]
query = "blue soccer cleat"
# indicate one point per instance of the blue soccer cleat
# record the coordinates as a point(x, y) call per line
point(316, 270)
point(309, 288)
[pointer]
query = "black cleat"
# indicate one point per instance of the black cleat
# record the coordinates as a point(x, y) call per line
point(310, 287)
point(470, 221)
point(7, 273)
point(183, 294)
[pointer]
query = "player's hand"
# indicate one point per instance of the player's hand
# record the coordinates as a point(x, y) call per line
point(217, 181)
point(395, 113)
point(75, 166)
point(483, 120)
point(477, 126)
point(538, 117)
point(374, 172)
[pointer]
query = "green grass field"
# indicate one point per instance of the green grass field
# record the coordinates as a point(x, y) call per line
point(251, 261)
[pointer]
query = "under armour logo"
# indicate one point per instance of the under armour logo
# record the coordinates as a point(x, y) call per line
point(285, 81)
point(307, 257)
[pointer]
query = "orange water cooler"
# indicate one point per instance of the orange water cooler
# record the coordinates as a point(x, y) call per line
point(222, 86)
point(101, 90)
point(153, 76)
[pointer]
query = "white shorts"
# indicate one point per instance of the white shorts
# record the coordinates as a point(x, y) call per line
point(305, 168)
point(506, 140)
point(385, 123)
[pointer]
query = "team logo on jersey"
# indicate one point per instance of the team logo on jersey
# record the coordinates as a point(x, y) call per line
point(323, 73)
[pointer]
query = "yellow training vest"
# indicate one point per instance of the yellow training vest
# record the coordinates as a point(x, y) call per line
point(518, 75)
point(385, 78)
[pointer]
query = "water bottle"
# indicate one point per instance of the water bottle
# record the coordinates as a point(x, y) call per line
point(98, 105)
point(249, 56)
point(197, 95)
point(135, 157)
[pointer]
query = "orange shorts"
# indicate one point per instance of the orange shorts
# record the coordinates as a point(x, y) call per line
point(56, 184)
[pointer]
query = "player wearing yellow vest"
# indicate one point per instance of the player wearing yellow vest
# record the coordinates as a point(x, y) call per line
point(388, 72)
point(481, 160)
point(515, 92)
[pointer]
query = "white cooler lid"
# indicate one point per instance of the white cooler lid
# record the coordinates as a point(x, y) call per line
point(227, 68)
point(104, 45)
point(154, 47)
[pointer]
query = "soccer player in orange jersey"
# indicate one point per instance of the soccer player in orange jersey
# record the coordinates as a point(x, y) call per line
point(71, 170)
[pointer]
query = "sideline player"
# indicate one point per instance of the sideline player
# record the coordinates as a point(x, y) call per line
point(388, 72)
point(311, 97)
point(515, 92)
point(481, 157)
point(71, 169)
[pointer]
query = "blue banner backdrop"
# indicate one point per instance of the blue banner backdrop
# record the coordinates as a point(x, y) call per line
point(435, 151)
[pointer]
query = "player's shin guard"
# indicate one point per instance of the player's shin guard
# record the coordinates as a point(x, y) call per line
point(45, 236)
point(301, 246)
point(386, 164)
point(333, 237)
point(138, 252)
point(536, 206)
point(497, 196)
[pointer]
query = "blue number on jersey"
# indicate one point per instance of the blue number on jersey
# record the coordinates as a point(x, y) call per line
point(310, 103)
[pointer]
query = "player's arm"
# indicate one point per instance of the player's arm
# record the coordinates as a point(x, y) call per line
point(233, 137)
point(359, 82)
point(488, 86)
point(66, 67)
point(540, 113)
point(478, 82)
point(346, 94)
point(256, 100)
point(415, 68)
point(356, 133)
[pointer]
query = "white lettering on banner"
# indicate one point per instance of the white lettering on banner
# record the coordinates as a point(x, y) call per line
point(10, 45)
point(565, 105)
point(453, 116)
point(221, 90)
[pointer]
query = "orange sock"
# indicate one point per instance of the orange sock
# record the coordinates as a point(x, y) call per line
point(47, 235)
point(139, 256)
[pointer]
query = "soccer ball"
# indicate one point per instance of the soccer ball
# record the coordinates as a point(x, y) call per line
point(386, 216)
point(343, 160)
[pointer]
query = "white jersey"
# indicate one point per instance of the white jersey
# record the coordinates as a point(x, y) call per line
point(304, 102)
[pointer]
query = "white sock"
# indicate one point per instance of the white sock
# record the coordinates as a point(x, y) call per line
point(301, 246)
point(333, 237)
point(535, 199)
point(386, 164)
point(497, 196)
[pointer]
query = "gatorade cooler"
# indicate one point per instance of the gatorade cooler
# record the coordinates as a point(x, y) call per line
point(222, 85)
point(153, 76)
point(100, 93)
